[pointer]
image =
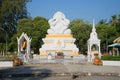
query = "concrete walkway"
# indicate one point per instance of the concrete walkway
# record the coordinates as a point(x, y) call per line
point(59, 69)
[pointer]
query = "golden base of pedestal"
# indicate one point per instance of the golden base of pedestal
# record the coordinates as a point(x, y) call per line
point(59, 36)
point(43, 54)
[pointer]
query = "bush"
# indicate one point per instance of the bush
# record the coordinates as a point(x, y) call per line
point(111, 58)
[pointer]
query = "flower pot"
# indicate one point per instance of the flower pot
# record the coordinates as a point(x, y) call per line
point(96, 61)
point(17, 62)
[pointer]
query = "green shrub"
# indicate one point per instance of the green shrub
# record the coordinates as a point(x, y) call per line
point(111, 58)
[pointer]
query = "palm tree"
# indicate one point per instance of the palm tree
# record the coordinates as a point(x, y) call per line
point(118, 24)
point(114, 21)
point(102, 21)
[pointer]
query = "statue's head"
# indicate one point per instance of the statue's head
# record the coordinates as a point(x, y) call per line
point(58, 15)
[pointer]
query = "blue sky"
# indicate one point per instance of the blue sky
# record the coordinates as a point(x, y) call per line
point(75, 9)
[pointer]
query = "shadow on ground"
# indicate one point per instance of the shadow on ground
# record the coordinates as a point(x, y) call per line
point(24, 72)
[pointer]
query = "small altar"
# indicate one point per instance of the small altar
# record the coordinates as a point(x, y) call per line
point(59, 38)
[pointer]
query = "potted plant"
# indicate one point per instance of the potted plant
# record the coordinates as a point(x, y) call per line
point(97, 60)
point(17, 62)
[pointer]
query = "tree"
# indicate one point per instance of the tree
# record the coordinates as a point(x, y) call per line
point(114, 20)
point(81, 31)
point(102, 21)
point(106, 34)
point(2, 48)
point(10, 12)
point(118, 24)
point(40, 30)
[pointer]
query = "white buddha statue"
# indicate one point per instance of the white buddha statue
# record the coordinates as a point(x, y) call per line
point(59, 24)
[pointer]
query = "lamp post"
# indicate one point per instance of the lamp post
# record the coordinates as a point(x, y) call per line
point(6, 39)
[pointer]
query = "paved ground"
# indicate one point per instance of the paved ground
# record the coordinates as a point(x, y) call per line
point(60, 70)
point(66, 78)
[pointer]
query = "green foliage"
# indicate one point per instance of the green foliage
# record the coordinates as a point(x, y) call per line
point(81, 31)
point(10, 12)
point(115, 22)
point(111, 58)
point(106, 34)
point(35, 28)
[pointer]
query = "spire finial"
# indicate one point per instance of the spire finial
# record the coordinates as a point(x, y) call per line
point(93, 29)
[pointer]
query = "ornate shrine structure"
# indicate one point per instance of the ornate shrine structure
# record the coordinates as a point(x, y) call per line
point(24, 43)
point(93, 45)
point(59, 38)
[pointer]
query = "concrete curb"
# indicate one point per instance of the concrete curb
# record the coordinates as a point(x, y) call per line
point(57, 74)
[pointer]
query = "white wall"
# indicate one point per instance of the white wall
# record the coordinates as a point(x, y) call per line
point(6, 63)
point(111, 63)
